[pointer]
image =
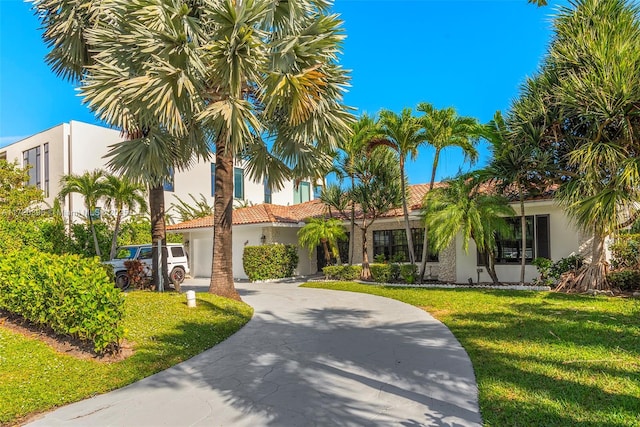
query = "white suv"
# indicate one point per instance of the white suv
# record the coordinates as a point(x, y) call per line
point(177, 262)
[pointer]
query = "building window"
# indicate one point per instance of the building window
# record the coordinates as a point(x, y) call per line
point(31, 159)
point(213, 179)
point(46, 170)
point(169, 184)
point(509, 248)
point(238, 183)
point(267, 191)
point(393, 245)
point(302, 193)
point(317, 191)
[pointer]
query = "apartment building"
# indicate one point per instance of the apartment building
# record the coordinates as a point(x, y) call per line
point(77, 147)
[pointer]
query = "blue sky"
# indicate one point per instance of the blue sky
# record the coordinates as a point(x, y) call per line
point(471, 55)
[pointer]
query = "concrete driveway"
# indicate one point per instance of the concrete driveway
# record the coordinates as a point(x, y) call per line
point(309, 357)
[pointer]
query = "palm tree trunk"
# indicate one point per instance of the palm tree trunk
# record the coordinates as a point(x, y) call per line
point(352, 241)
point(523, 230)
point(96, 245)
point(116, 230)
point(156, 206)
point(425, 239)
point(222, 262)
point(405, 210)
point(491, 268)
point(327, 254)
point(366, 271)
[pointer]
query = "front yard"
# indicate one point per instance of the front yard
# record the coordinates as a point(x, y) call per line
point(159, 327)
point(540, 358)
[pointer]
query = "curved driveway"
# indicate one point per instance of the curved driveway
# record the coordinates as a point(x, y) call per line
point(309, 357)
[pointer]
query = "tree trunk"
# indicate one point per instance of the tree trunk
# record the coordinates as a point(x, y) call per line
point(352, 241)
point(156, 206)
point(405, 210)
point(96, 245)
point(366, 271)
point(327, 254)
point(116, 230)
point(523, 230)
point(222, 262)
point(592, 276)
point(491, 268)
point(425, 239)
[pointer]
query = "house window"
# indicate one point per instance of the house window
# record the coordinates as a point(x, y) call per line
point(238, 183)
point(46, 170)
point(213, 179)
point(169, 184)
point(32, 158)
point(509, 248)
point(267, 191)
point(317, 191)
point(302, 193)
point(393, 245)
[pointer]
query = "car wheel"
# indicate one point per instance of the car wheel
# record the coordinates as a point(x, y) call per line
point(122, 280)
point(177, 275)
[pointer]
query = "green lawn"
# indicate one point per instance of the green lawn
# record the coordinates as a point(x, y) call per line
point(540, 358)
point(163, 331)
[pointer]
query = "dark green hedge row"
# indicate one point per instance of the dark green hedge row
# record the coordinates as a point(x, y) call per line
point(72, 295)
point(388, 273)
point(270, 261)
point(342, 272)
point(625, 280)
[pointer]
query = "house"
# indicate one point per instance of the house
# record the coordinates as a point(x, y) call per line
point(77, 147)
point(550, 234)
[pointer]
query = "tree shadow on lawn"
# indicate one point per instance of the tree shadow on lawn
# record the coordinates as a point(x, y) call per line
point(334, 367)
point(590, 341)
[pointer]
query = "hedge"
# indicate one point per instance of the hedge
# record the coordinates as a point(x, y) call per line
point(342, 272)
point(71, 295)
point(625, 280)
point(269, 261)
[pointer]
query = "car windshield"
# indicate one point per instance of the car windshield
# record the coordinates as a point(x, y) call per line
point(126, 253)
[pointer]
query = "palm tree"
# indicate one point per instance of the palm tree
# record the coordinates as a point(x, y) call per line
point(403, 134)
point(322, 231)
point(443, 129)
point(590, 75)
point(460, 208)
point(364, 131)
point(241, 71)
point(91, 186)
point(122, 193)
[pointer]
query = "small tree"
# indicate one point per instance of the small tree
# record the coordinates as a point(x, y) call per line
point(326, 232)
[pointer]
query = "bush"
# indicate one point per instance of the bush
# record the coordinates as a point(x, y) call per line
point(71, 295)
point(572, 262)
point(544, 266)
point(342, 272)
point(380, 273)
point(269, 261)
point(625, 252)
point(139, 275)
point(625, 280)
point(409, 273)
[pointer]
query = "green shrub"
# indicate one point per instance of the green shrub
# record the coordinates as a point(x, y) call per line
point(544, 266)
point(380, 259)
point(572, 262)
point(342, 272)
point(409, 273)
point(71, 295)
point(269, 261)
point(625, 280)
point(381, 273)
point(139, 277)
point(625, 252)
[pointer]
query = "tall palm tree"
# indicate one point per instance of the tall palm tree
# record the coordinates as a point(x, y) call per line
point(325, 232)
point(122, 193)
point(590, 74)
point(443, 129)
point(459, 208)
point(241, 71)
point(403, 133)
point(364, 131)
point(91, 186)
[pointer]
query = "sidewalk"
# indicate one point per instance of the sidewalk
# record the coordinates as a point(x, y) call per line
point(309, 357)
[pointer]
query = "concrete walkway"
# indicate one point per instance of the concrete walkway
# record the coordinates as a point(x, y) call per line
point(309, 357)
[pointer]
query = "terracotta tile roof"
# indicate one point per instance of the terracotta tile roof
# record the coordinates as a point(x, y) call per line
point(267, 213)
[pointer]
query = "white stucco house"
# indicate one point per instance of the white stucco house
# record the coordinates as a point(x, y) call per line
point(77, 147)
point(550, 234)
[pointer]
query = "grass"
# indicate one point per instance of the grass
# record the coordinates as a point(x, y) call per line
point(540, 359)
point(35, 378)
